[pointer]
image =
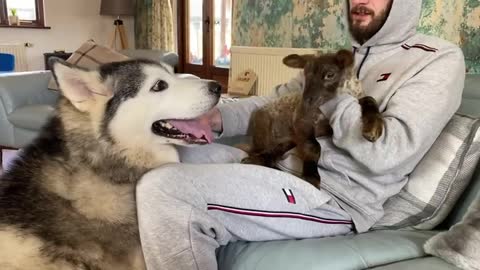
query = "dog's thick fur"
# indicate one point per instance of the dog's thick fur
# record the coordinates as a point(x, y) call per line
point(295, 119)
point(68, 201)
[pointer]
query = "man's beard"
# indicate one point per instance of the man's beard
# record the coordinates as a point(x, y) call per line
point(363, 33)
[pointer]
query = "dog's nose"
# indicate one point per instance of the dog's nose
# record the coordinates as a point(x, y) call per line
point(215, 88)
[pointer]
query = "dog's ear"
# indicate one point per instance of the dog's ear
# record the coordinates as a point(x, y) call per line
point(170, 69)
point(344, 58)
point(82, 87)
point(297, 61)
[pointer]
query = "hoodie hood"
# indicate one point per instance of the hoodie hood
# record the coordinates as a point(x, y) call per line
point(400, 25)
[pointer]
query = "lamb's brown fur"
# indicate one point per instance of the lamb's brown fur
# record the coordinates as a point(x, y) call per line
point(295, 119)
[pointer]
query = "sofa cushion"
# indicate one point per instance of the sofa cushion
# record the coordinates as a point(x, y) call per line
point(460, 245)
point(90, 55)
point(471, 95)
point(468, 196)
point(356, 251)
point(438, 180)
point(31, 117)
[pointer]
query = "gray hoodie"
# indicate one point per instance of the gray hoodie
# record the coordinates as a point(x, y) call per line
point(418, 82)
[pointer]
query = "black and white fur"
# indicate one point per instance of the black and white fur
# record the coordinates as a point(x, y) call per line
point(68, 201)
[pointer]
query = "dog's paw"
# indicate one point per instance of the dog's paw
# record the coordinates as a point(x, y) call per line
point(372, 128)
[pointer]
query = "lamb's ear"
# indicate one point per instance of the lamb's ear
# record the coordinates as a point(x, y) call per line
point(344, 58)
point(297, 61)
point(84, 88)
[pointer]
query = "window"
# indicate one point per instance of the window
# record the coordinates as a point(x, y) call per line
point(30, 13)
point(221, 12)
point(223, 33)
point(195, 30)
point(204, 32)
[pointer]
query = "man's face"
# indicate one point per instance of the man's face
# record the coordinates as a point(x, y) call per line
point(366, 17)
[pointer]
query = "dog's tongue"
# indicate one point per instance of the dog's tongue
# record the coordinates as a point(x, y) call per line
point(199, 129)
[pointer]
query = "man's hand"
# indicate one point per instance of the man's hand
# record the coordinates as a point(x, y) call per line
point(214, 119)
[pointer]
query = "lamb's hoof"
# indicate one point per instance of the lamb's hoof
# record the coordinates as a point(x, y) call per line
point(248, 160)
point(372, 130)
point(371, 118)
point(253, 160)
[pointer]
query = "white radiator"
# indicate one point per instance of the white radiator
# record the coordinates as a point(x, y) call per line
point(20, 53)
point(266, 63)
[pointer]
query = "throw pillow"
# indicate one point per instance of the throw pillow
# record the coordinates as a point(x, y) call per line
point(90, 55)
point(461, 244)
point(438, 180)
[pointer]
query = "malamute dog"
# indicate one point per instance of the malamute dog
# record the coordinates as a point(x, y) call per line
point(68, 201)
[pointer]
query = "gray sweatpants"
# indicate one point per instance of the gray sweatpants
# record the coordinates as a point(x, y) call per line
point(186, 211)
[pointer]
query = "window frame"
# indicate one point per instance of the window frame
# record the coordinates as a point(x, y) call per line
point(38, 23)
point(207, 70)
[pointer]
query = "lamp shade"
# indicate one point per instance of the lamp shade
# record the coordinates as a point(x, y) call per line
point(117, 7)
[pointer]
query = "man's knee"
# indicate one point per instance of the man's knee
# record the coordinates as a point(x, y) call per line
point(166, 183)
point(157, 181)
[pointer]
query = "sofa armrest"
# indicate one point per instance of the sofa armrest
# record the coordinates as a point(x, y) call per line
point(25, 88)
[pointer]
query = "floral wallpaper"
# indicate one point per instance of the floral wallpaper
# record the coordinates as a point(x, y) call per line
point(320, 24)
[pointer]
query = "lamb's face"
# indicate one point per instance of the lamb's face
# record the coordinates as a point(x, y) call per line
point(324, 75)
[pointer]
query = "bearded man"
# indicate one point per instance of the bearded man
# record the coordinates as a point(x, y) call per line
point(186, 211)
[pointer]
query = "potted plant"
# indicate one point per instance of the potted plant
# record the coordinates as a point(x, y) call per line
point(13, 20)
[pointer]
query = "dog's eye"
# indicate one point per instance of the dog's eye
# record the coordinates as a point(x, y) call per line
point(159, 86)
point(329, 75)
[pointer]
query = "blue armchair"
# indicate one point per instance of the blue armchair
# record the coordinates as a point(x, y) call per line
point(25, 104)
point(7, 62)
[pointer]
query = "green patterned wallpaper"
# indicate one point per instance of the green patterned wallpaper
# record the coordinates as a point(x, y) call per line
point(320, 24)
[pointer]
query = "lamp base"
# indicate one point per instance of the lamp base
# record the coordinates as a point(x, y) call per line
point(120, 32)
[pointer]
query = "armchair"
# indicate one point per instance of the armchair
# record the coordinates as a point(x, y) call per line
point(25, 104)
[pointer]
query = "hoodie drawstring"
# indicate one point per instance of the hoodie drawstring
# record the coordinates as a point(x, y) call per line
point(363, 61)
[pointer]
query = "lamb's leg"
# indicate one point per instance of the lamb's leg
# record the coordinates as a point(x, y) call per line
point(310, 173)
point(268, 157)
point(260, 128)
point(310, 152)
point(266, 147)
point(323, 128)
point(371, 118)
point(309, 149)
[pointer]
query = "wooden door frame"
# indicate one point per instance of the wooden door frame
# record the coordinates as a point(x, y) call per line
point(180, 36)
point(207, 70)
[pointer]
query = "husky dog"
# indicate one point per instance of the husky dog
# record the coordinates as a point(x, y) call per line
point(68, 201)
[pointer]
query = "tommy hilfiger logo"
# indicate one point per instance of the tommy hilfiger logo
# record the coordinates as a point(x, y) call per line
point(384, 77)
point(290, 197)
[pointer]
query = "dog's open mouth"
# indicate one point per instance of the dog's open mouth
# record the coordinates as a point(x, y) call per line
point(191, 130)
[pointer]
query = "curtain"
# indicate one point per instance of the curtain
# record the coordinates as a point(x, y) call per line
point(154, 25)
point(162, 25)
